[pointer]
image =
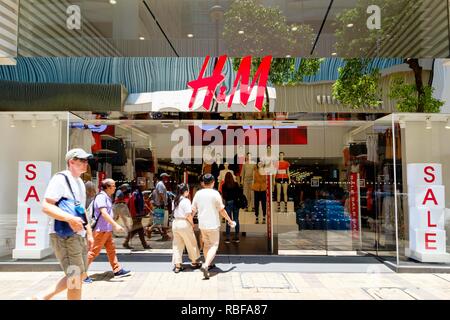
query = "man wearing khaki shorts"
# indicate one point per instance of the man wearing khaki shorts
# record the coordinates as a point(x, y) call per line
point(208, 203)
point(71, 251)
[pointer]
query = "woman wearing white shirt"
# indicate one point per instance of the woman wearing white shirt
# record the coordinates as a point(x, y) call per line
point(183, 232)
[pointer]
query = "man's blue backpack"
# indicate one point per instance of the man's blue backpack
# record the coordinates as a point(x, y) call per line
point(71, 206)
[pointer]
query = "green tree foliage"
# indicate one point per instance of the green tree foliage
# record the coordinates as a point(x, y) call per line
point(283, 71)
point(355, 39)
point(357, 85)
point(360, 41)
point(252, 29)
point(408, 99)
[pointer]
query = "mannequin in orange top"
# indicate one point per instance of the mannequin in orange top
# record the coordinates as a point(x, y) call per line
point(207, 161)
point(282, 178)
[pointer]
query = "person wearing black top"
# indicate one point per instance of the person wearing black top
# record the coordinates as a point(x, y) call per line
point(230, 193)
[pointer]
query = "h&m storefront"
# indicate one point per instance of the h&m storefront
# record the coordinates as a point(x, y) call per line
point(339, 182)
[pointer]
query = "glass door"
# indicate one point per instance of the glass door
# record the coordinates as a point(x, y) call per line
point(300, 222)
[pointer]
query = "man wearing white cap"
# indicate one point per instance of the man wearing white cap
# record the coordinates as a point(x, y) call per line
point(71, 250)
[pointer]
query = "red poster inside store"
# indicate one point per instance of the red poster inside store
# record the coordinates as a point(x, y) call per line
point(269, 210)
point(290, 136)
point(354, 205)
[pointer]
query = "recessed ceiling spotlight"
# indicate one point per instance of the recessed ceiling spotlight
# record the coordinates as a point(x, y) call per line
point(55, 121)
point(12, 123)
point(428, 125)
point(241, 31)
point(190, 35)
point(447, 126)
point(350, 25)
point(33, 121)
point(112, 1)
point(141, 38)
point(294, 28)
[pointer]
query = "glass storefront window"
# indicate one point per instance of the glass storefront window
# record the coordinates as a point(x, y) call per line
point(423, 193)
point(344, 189)
point(34, 146)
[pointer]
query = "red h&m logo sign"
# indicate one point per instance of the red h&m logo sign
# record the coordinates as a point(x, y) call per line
point(213, 82)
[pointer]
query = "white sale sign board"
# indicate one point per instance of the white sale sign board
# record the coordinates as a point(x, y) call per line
point(426, 199)
point(32, 239)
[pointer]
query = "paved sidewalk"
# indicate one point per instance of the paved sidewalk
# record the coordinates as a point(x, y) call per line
point(227, 284)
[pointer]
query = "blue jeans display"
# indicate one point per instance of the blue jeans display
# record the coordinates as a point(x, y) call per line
point(233, 212)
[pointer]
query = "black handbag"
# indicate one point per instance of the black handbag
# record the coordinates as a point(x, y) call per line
point(241, 200)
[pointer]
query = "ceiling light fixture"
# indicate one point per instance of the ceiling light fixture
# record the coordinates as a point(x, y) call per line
point(55, 121)
point(350, 25)
point(334, 54)
point(294, 28)
point(33, 121)
point(190, 35)
point(112, 2)
point(12, 123)
point(141, 38)
point(241, 31)
point(428, 125)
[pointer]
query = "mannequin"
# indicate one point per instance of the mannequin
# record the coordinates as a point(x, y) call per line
point(247, 180)
point(239, 160)
point(207, 161)
point(282, 179)
point(223, 173)
point(215, 169)
point(260, 187)
point(269, 163)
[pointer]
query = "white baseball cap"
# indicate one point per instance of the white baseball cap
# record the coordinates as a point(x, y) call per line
point(78, 153)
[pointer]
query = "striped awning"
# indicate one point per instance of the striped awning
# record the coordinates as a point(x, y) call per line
point(20, 96)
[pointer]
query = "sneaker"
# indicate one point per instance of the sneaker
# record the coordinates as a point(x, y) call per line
point(127, 246)
point(236, 240)
point(178, 269)
point(257, 221)
point(147, 246)
point(211, 266)
point(205, 273)
point(122, 273)
point(264, 221)
point(196, 265)
point(88, 280)
point(227, 241)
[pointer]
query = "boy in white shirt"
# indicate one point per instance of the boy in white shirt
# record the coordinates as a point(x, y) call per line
point(208, 203)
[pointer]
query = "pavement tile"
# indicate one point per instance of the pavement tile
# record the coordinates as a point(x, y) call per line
point(238, 285)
